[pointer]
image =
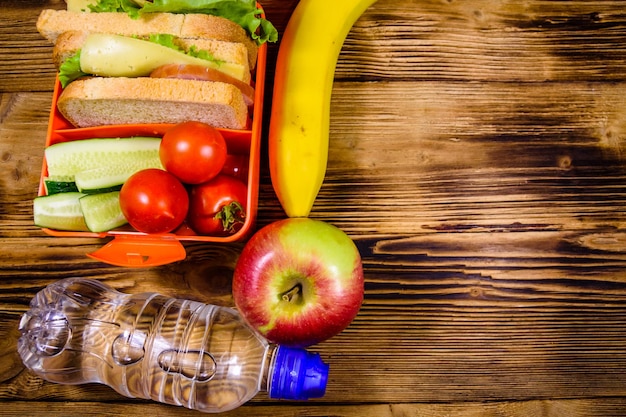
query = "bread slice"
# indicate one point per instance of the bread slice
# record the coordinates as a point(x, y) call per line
point(51, 23)
point(67, 43)
point(213, 27)
point(106, 101)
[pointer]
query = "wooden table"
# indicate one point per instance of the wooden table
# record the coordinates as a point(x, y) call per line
point(477, 158)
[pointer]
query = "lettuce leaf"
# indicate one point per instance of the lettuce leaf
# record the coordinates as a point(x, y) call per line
point(243, 12)
point(165, 40)
point(125, 6)
point(168, 40)
point(70, 70)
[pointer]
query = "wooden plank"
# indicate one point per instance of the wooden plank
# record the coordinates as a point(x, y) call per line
point(23, 125)
point(520, 40)
point(494, 115)
point(481, 155)
point(26, 63)
point(555, 408)
point(513, 41)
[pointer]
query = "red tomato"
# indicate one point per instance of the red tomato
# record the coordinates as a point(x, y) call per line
point(218, 207)
point(194, 152)
point(236, 165)
point(154, 201)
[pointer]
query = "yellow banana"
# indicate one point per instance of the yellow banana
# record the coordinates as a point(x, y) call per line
point(300, 116)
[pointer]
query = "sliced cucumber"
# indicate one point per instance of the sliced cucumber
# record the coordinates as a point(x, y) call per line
point(56, 185)
point(102, 190)
point(60, 178)
point(102, 211)
point(59, 211)
point(68, 158)
point(112, 176)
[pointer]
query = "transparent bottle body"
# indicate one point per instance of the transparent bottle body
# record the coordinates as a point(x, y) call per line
point(147, 345)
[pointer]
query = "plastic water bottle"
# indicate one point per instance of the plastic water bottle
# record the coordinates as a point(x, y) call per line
point(179, 352)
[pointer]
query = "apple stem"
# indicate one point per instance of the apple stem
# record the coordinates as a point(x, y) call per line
point(293, 295)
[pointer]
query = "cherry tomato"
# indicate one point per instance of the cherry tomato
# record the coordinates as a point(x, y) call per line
point(236, 165)
point(218, 207)
point(154, 201)
point(194, 152)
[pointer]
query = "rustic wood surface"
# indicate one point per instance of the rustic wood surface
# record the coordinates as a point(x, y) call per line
point(477, 158)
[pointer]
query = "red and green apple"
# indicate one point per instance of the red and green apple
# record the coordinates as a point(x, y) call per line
point(299, 281)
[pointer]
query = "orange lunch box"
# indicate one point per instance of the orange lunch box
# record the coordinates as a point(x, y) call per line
point(135, 249)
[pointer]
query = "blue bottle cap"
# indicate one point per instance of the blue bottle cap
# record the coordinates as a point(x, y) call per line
point(297, 375)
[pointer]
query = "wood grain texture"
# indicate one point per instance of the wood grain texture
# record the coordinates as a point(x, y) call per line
point(478, 160)
point(490, 40)
point(571, 408)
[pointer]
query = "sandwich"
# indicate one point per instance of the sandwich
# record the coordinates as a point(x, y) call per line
point(152, 64)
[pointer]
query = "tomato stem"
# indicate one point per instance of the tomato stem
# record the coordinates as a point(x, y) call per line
point(231, 215)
